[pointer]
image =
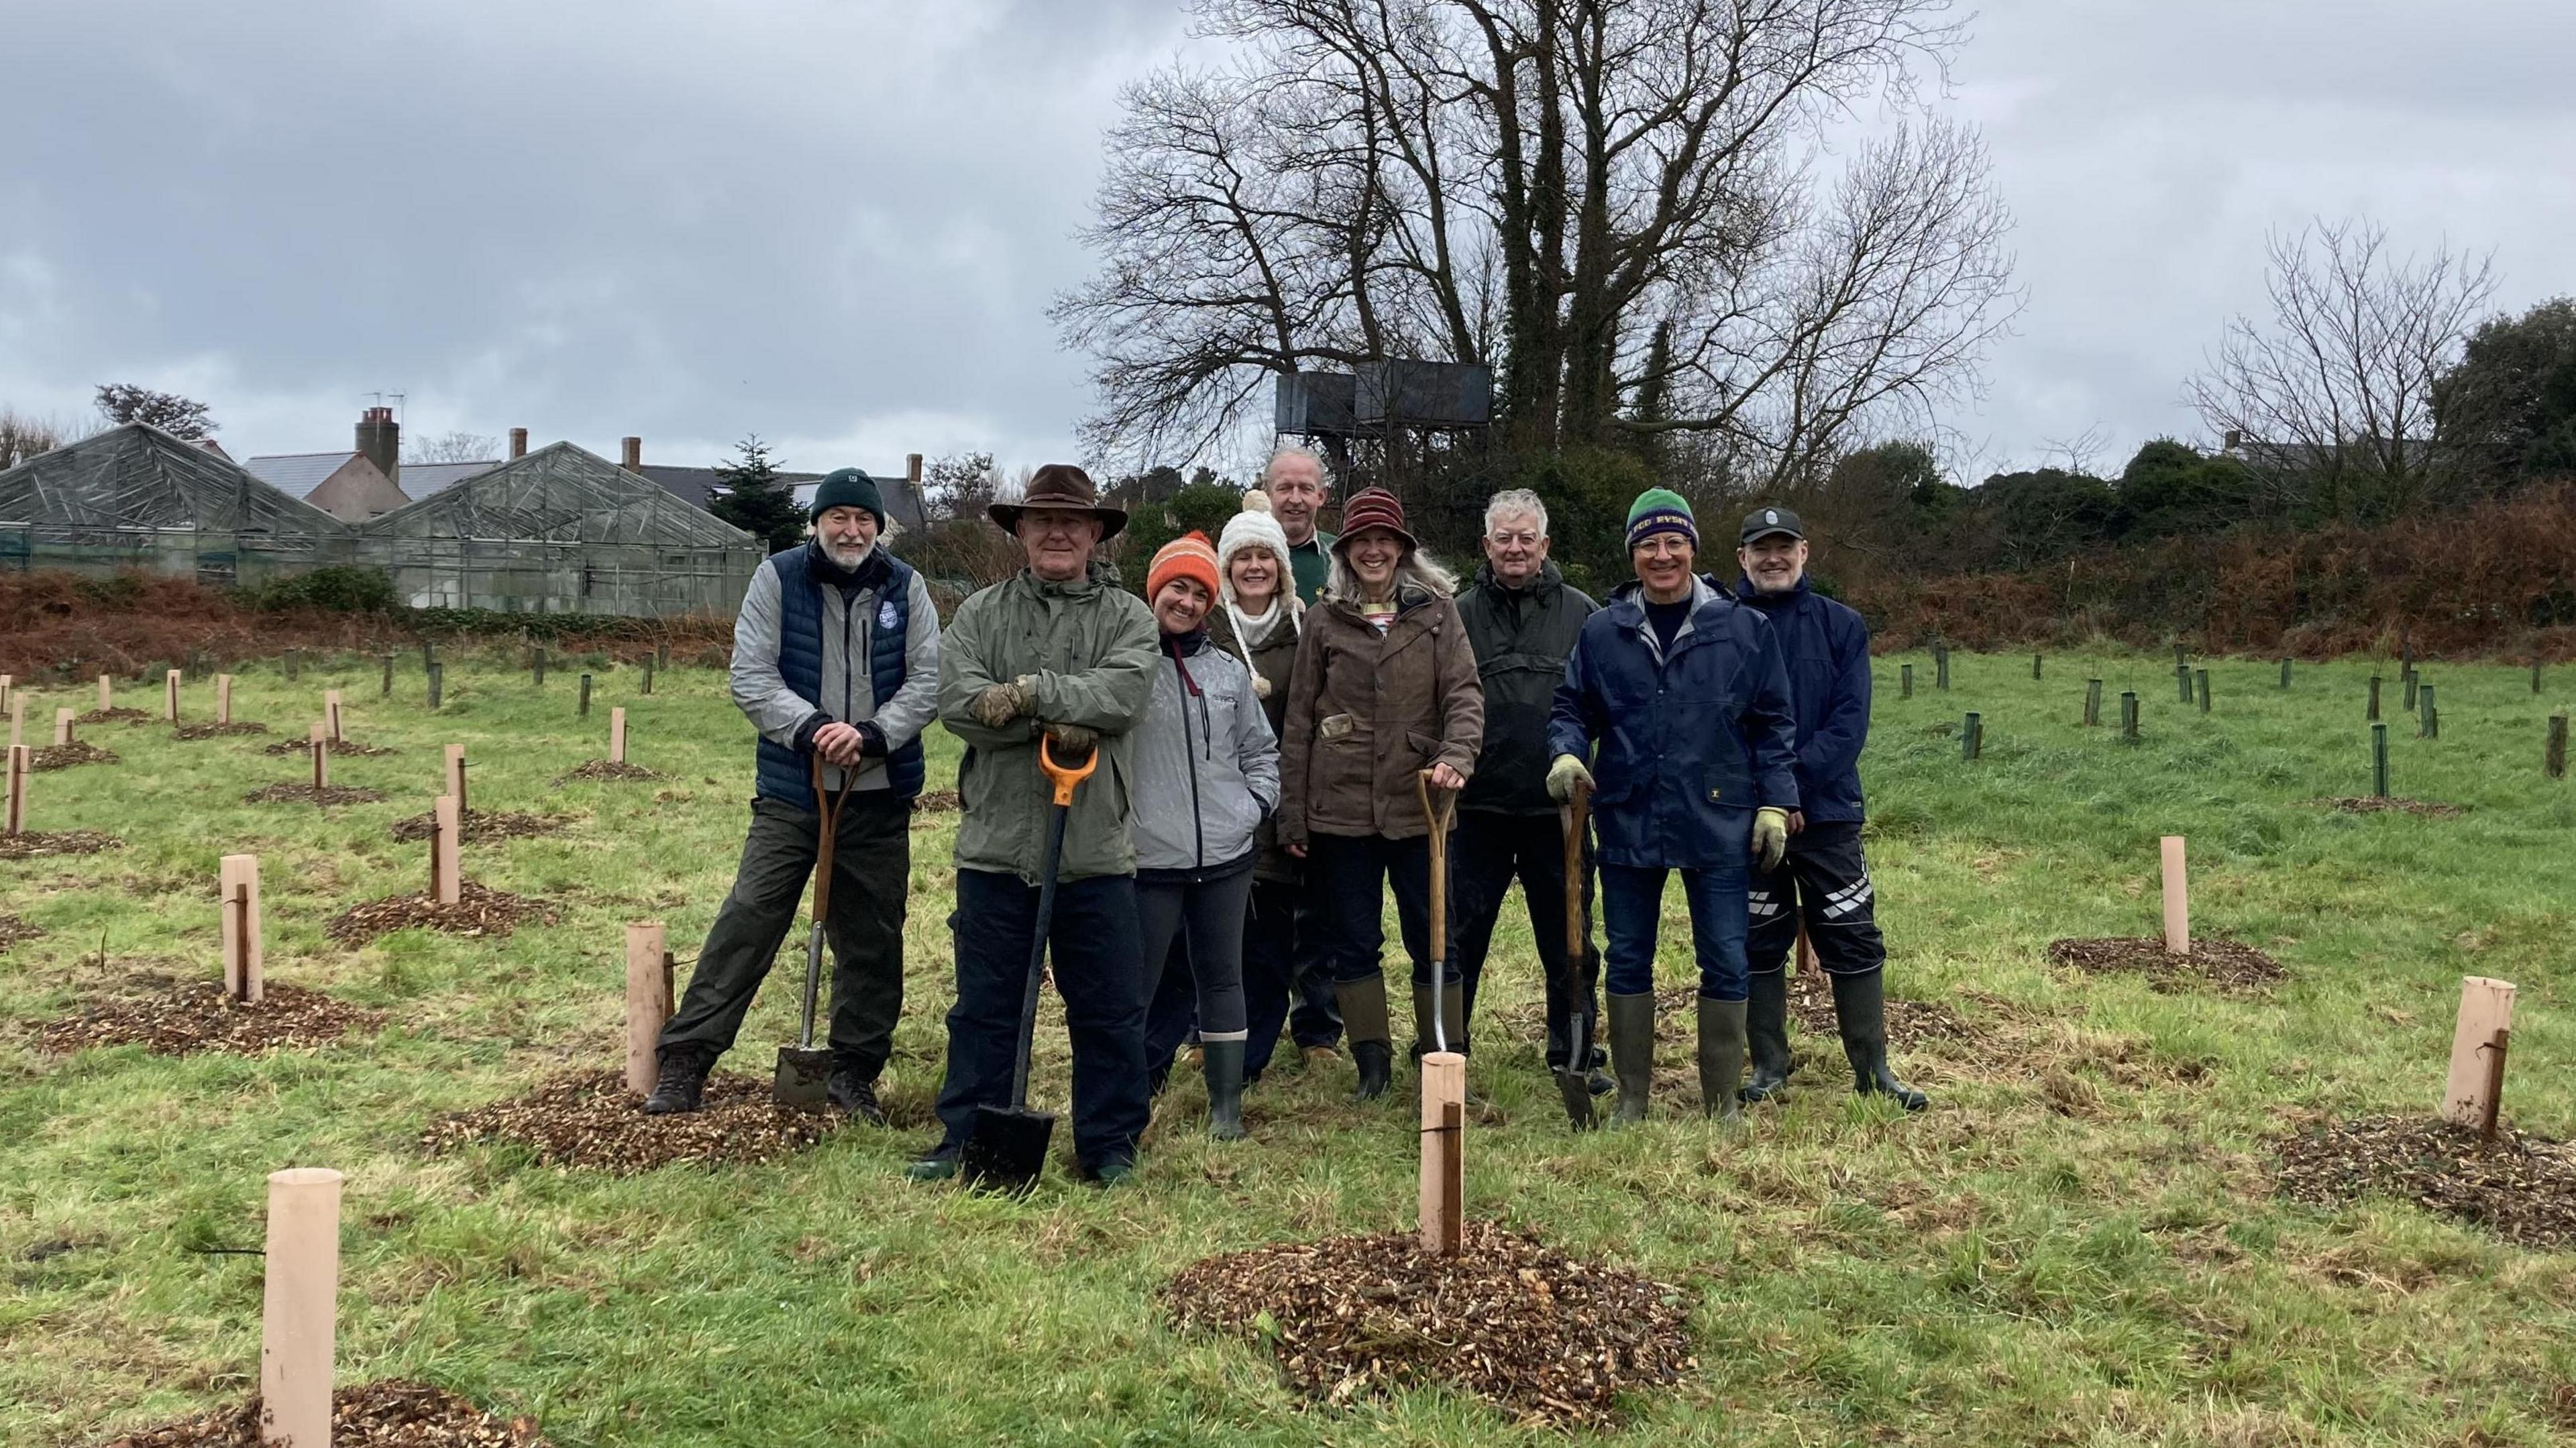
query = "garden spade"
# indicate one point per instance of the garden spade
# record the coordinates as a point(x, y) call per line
point(1006, 1146)
point(1438, 819)
point(805, 1070)
point(1574, 1078)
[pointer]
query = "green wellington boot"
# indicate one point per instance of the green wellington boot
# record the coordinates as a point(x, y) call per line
point(1721, 1056)
point(1224, 1067)
point(1363, 1004)
point(1766, 1028)
point(1632, 1052)
point(1860, 1009)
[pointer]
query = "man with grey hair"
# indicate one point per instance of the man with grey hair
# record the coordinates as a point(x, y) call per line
point(1522, 620)
point(1299, 488)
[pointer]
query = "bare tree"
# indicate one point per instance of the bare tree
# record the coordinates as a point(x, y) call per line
point(454, 447)
point(181, 417)
point(23, 436)
point(2331, 400)
point(1545, 186)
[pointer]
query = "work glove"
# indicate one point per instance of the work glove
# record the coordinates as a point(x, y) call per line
point(1561, 777)
point(998, 704)
point(1770, 837)
point(1072, 741)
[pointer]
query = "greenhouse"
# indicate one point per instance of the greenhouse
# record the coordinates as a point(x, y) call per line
point(561, 530)
point(136, 498)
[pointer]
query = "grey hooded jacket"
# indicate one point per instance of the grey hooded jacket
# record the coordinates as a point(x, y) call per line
point(1207, 766)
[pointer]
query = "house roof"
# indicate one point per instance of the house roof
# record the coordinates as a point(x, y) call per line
point(420, 480)
point(137, 476)
point(558, 494)
point(297, 474)
point(697, 486)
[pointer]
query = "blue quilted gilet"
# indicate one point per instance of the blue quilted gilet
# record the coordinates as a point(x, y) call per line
point(783, 773)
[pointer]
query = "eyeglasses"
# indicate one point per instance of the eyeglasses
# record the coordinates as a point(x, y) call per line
point(1507, 540)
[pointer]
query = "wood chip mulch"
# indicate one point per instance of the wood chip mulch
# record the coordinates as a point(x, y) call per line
point(218, 731)
point(64, 756)
point(2214, 960)
point(110, 716)
point(38, 844)
point(345, 748)
point(478, 825)
point(477, 911)
point(937, 801)
point(2521, 1187)
point(307, 794)
point(395, 1413)
point(2391, 804)
point(587, 1119)
point(13, 930)
point(603, 769)
point(173, 1017)
point(1545, 1337)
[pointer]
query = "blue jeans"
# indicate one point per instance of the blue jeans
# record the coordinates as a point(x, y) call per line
point(1632, 901)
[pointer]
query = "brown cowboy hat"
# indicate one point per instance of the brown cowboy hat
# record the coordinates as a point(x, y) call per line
point(1063, 487)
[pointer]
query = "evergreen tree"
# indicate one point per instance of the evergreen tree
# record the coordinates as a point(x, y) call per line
point(754, 500)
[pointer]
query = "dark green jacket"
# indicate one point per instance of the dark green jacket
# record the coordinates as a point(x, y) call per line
point(1091, 647)
point(1521, 637)
point(1310, 563)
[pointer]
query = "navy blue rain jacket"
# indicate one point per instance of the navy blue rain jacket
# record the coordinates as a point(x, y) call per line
point(1690, 744)
point(1826, 648)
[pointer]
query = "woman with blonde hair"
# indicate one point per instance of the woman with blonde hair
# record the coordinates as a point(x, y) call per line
point(1385, 688)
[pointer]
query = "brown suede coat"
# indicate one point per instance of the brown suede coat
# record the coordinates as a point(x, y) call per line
point(1366, 713)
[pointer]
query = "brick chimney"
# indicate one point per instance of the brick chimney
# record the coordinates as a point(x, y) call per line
point(380, 438)
point(630, 453)
point(518, 442)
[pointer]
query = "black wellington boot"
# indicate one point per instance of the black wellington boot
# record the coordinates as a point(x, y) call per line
point(1632, 1052)
point(1721, 1056)
point(1766, 1027)
point(1363, 1004)
point(1860, 1009)
point(681, 1086)
point(1223, 1063)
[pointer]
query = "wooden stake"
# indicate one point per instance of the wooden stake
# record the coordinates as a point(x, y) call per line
point(170, 696)
point(331, 715)
point(617, 736)
point(321, 751)
point(447, 827)
point(456, 774)
point(1444, 1096)
point(14, 816)
point(106, 693)
point(645, 1003)
point(300, 1298)
point(17, 720)
point(239, 888)
point(223, 698)
point(2177, 899)
point(62, 726)
point(8, 687)
point(2486, 1011)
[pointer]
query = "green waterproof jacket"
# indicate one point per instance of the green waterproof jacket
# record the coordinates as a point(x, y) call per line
point(1090, 646)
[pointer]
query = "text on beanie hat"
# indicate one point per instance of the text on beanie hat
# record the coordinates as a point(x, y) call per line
point(1188, 556)
point(1661, 510)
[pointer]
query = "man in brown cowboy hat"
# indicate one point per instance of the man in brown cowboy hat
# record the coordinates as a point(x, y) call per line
point(1058, 650)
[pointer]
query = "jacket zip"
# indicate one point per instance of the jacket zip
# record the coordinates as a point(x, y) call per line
point(1198, 828)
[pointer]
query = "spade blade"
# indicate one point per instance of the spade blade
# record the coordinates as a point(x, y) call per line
point(1005, 1148)
point(1574, 1078)
point(804, 1077)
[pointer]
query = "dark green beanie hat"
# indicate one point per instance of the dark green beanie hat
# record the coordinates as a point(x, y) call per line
point(1661, 510)
point(847, 488)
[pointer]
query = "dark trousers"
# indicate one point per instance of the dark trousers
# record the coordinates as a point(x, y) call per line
point(1098, 968)
point(1346, 880)
point(1284, 983)
point(1486, 854)
point(1632, 906)
point(1209, 915)
point(1315, 1016)
point(871, 867)
point(1825, 880)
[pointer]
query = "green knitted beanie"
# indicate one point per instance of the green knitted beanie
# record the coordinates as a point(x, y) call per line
point(1661, 510)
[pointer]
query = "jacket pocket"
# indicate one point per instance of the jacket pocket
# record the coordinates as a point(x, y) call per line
point(1334, 728)
point(1728, 784)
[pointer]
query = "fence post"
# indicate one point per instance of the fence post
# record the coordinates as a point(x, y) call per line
point(445, 868)
point(14, 814)
point(170, 696)
point(17, 719)
point(299, 1301)
point(2177, 898)
point(2379, 761)
point(62, 727)
point(617, 735)
point(320, 748)
point(331, 716)
point(646, 947)
point(1444, 1094)
point(106, 693)
point(2486, 1016)
point(238, 881)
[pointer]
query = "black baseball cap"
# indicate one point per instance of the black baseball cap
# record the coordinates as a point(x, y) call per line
point(1763, 522)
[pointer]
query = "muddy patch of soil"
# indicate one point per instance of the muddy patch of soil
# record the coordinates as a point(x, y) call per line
point(603, 769)
point(13, 930)
point(587, 1119)
point(38, 844)
point(64, 756)
point(477, 911)
point(344, 748)
point(1543, 1336)
point(1910, 1023)
point(936, 801)
point(110, 716)
point(478, 826)
point(395, 1413)
point(307, 794)
point(173, 1017)
point(2520, 1187)
point(2228, 965)
point(2391, 804)
point(218, 731)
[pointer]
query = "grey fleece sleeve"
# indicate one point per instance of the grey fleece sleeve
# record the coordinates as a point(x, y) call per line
point(1256, 749)
point(777, 711)
point(913, 706)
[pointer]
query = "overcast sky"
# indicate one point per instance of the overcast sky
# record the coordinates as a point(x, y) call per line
point(839, 224)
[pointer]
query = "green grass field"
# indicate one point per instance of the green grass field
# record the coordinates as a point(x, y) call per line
point(2078, 1244)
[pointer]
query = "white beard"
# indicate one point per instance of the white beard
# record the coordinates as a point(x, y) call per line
point(848, 559)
